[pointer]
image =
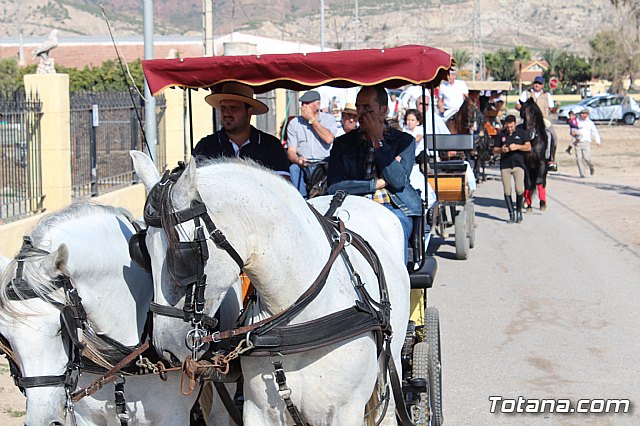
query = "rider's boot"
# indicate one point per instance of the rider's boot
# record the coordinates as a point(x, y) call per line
point(509, 201)
point(519, 199)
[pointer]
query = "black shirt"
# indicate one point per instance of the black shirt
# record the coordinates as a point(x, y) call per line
point(511, 159)
point(261, 148)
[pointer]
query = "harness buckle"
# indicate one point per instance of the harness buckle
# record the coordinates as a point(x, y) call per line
point(347, 238)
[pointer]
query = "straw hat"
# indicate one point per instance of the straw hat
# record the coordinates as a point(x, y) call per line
point(349, 108)
point(237, 92)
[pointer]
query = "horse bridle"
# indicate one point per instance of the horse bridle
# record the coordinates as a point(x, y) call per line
point(72, 318)
point(186, 261)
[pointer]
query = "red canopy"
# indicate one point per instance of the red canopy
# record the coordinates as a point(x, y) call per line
point(392, 67)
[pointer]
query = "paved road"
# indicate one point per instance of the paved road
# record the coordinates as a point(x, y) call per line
point(545, 309)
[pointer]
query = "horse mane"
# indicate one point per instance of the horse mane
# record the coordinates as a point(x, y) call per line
point(463, 118)
point(33, 272)
point(534, 120)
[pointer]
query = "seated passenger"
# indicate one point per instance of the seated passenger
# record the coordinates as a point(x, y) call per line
point(376, 161)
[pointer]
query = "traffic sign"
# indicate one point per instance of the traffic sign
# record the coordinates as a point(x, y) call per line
point(553, 82)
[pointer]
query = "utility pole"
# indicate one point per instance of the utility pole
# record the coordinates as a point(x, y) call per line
point(207, 24)
point(322, 25)
point(474, 34)
point(150, 127)
point(357, 25)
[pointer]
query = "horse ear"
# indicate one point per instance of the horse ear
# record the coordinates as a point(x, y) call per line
point(145, 169)
point(56, 262)
point(185, 189)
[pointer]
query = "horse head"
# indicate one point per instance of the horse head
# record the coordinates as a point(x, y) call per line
point(533, 120)
point(86, 282)
point(464, 120)
point(174, 260)
point(33, 333)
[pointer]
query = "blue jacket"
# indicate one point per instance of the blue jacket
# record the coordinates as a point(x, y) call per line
point(346, 168)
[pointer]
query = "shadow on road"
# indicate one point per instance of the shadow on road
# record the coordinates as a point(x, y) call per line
point(437, 243)
point(488, 202)
point(621, 189)
point(491, 217)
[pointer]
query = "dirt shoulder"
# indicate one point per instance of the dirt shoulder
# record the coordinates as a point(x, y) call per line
point(612, 198)
point(12, 403)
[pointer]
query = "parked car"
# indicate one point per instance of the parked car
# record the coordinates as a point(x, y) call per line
point(605, 107)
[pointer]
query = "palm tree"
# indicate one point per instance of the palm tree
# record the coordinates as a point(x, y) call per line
point(462, 57)
point(552, 56)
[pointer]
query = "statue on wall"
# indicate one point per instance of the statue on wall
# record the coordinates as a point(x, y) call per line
point(46, 64)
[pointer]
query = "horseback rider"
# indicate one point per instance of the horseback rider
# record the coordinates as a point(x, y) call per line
point(451, 95)
point(544, 100)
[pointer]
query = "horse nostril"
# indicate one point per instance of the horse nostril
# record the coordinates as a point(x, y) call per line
point(55, 424)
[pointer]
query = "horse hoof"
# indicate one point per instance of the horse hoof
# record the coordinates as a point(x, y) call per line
point(543, 206)
point(529, 209)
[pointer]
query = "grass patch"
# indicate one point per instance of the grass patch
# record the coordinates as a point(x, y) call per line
point(14, 413)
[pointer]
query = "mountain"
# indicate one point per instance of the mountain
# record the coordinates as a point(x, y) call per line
point(446, 24)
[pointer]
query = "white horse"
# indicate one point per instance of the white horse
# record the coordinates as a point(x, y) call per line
point(283, 248)
point(88, 243)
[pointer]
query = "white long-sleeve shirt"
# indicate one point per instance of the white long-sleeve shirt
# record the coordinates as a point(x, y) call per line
point(586, 129)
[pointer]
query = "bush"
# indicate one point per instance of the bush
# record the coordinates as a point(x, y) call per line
point(107, 77)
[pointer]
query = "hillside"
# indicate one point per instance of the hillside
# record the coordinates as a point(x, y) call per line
point(446, 24)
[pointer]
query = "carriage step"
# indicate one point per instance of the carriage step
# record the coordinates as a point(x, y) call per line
point(424, 277)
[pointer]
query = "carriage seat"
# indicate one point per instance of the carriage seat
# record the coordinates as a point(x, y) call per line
point(425, 276)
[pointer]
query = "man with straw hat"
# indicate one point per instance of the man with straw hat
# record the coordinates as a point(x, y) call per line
point(238, 138)
point(348, 119)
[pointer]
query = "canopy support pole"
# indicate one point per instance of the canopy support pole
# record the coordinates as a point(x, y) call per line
point(433, 132)
point(190, 122)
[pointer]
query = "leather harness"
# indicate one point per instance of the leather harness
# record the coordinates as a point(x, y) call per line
point(274, 335)
point(73, 318)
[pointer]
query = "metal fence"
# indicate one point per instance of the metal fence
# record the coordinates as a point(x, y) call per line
point(20, 166)
point(104, 127)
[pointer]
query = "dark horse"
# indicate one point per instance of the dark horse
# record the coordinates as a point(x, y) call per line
point(469, 120)
point(536, 159)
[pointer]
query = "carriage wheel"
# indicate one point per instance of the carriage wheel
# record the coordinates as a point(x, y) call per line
point(462, 232)
point(422, 411)
point(432, 332)
point(471, 217)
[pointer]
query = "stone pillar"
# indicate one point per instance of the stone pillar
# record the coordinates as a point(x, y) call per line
point(53, 91)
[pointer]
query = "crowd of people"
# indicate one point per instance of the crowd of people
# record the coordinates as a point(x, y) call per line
point(373, 146)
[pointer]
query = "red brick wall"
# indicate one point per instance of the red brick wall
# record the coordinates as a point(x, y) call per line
point(79, 56)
